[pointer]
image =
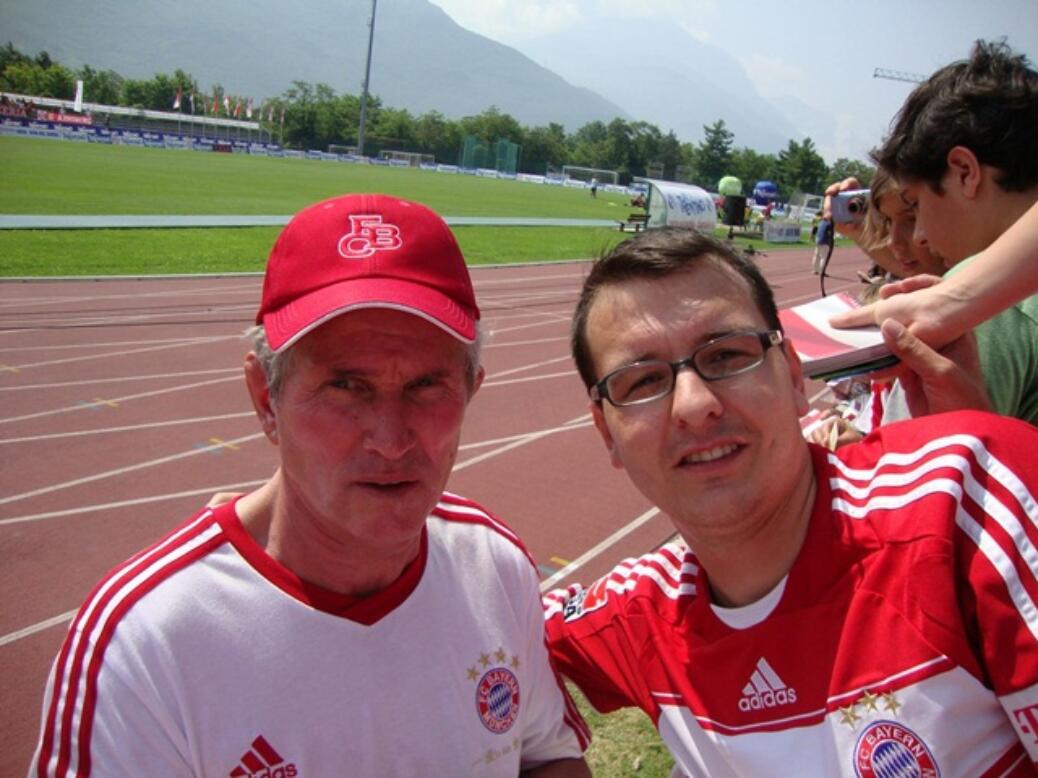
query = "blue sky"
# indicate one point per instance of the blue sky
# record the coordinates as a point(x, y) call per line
point(819, 55)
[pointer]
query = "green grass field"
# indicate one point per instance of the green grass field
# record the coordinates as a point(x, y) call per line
point(53, 177)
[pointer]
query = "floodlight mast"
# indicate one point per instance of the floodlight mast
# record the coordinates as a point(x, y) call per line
point(367, 79)
point(897, 75)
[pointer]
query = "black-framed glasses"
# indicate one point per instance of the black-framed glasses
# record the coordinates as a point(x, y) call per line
point(651, 379)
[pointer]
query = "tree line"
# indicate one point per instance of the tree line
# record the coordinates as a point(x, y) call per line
point(314, 116)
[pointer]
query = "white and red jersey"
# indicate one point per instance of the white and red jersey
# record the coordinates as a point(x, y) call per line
point(203, 656)
point(902, 642)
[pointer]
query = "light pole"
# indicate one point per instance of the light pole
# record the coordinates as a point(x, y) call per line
point(367, 78)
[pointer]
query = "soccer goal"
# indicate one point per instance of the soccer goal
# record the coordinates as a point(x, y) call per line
point(587, 173)
point(412, 158)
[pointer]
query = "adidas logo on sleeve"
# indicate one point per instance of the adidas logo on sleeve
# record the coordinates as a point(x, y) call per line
point(765, 690)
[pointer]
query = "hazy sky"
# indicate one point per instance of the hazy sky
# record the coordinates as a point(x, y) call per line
point(821, 53)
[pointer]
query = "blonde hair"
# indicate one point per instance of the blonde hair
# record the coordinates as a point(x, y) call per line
point(876, 230)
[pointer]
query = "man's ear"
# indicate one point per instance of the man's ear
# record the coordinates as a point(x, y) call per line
point(965, 172)
point(481, 374)
point(259, 393)
point(796, 375)
point(598, 417)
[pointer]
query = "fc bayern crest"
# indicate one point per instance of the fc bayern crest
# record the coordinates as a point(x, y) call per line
point(497, 699)
point(889, 750)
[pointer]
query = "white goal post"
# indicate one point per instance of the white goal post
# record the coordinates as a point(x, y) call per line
point(587, 173)
point(412, 158)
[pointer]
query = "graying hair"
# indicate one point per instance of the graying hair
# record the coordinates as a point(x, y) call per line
point(277, 365)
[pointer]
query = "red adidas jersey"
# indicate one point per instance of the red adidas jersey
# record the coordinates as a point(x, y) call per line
point(203, 656)
point(903, 641)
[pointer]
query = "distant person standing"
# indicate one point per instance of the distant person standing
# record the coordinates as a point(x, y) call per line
point(594, 187)
point(824, 240)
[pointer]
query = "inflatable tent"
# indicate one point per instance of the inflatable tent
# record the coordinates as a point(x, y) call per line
point(680, 205)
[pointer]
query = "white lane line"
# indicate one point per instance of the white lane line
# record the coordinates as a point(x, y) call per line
point(127, 428)
point(597, 549)
point(521, 440)
point(96, 344)
point(39, 626)
point(208, 490)
point(121, 379)
point(529, 342)
point(583, 421)
point(482, 282)
point(123, 353)
point(490, 384)
point(125, 398)
point(128, 469)
point(177, 294)
point(531, 366)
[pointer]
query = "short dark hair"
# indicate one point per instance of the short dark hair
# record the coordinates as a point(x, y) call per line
point(988, 103)
point(657, 254)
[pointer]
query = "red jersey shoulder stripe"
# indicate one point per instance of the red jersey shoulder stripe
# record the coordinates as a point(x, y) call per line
point(453, 507)
point(65, 745)
point(669, 572)
point(985, 492)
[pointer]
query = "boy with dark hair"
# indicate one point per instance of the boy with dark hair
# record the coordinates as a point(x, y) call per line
point(965, 151)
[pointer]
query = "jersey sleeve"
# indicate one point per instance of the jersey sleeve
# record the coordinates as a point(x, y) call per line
point(971, 478)
point(105, 718)
point(555, 728)
point(998, 565)
point(602, 637)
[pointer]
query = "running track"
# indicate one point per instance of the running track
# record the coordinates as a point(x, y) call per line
point(123, 409)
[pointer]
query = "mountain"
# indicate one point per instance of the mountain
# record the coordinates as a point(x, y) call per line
point(660, 74)
point(421, 59)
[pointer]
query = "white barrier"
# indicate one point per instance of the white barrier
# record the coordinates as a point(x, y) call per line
point(781, 231)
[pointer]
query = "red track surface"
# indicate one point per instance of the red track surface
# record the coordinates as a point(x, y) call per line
point(124, 409)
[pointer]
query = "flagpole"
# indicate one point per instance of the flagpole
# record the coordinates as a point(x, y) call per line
point(367, 79)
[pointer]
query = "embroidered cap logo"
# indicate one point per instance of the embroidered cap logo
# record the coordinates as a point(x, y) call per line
point(367, 235)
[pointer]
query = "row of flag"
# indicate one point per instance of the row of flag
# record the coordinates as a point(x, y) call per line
point(235, 110)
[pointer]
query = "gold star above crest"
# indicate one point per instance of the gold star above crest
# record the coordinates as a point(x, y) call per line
point(515, 662)
point(869, 701)
point(849, 716)
point(501, 656)
point(484, 659)
point(472, 673)
point(890, 702)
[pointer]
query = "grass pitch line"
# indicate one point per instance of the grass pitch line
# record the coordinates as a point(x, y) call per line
point(126, 398)
point(128, 469)
point(597, 549)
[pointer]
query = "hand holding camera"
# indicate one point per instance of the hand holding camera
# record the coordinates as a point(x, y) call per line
point(849, 207)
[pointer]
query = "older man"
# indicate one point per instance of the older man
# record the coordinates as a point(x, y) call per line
point(866, 612)
point(348, 617)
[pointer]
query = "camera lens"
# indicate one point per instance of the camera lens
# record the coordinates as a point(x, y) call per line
point(857, 205)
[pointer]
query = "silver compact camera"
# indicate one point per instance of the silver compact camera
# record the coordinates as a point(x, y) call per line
point(849, 207)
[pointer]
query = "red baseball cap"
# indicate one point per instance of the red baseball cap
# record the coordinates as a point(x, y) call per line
point(365, 251)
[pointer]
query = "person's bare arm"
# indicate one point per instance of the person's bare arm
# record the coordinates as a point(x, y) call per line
point(881, 255)
point(1002, 275)
point(936, 382)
